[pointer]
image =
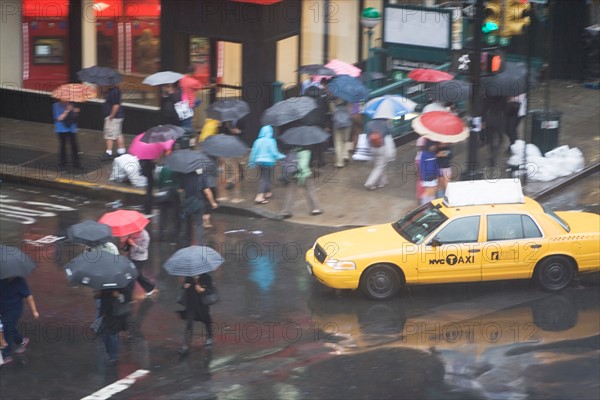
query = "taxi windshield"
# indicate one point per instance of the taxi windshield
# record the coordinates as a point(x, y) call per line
point(418, 224)
point(558, 219)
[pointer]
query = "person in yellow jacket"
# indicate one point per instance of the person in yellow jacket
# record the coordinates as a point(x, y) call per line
point(211, 127)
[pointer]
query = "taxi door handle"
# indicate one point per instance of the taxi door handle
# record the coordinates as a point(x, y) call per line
point(536, 246)
point(474, 251)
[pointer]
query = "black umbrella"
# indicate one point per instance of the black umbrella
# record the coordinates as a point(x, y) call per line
point(162, 133)
point(89, 232)
point(228, 110)
point(193, 260)
point(101, 270)
point(187, 160)
point(510, 82)
point(454, 91)
point(102, 76)
point(287, 111)
point(222, 145)
point(304, 136)
point(14, 262)
point(316, 69)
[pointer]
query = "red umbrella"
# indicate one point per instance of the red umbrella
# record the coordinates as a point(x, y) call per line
point(124, 222)
point(76, 92)
point(429, 75)
point(441, 126)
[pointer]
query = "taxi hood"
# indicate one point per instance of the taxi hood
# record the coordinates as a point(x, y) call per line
point(360, 242)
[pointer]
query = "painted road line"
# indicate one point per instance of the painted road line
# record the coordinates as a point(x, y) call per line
point(117, 387)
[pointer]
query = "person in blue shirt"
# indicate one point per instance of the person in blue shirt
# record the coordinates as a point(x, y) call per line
point(429, 172)
point(12, 293)
point(65, 125)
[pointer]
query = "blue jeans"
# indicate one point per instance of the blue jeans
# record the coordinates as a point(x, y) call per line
point(186, 123)
point(111, 342)
point(10, 317)
point(266, 175)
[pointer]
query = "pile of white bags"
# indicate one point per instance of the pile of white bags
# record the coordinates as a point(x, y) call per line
point(559, 162)
point(127, 168)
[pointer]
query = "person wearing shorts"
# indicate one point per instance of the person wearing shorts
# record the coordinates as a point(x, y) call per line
point(429, 172)
point(113, 122)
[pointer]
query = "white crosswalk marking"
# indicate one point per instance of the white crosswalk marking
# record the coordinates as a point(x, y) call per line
point(117, 387)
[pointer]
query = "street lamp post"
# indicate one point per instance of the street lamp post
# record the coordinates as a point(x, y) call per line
point(369, 19)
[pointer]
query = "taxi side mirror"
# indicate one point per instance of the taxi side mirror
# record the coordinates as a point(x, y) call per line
point(434, 243)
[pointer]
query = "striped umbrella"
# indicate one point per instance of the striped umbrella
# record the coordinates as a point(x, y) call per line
point(389, 107)
point(193, 260)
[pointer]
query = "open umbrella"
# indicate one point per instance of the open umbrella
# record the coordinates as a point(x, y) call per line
point(14, 263)
point(441, 126)
point(187, 160)
point(148, 151)
point(510, 82)
point(222, 145)
point(162, 78)
point(348, 88)
point(102, 76)
point(75, 92)
point(227, 110)
point(304, 136)
point(193, 260)
point(343, 68)
point(124, 222)
point(316, 69)
point(89, 232)
point(454, 90)
point(163, 133)
point(388, 107)
point(101, 270)
point(287, 111)
point(429, 75)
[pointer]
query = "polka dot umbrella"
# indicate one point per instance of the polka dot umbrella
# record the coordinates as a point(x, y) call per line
point(441, 126)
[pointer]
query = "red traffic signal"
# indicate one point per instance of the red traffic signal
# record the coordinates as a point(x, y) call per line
point(492, 63)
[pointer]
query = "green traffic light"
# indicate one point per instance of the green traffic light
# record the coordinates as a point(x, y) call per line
point(489, 27)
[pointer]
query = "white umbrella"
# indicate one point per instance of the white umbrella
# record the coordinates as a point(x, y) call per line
point(162, 78)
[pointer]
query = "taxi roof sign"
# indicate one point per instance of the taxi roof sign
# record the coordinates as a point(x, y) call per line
point(474, 193)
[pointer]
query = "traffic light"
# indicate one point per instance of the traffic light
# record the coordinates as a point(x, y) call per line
point(492, 62)
point(516, 17)
point(492, 18)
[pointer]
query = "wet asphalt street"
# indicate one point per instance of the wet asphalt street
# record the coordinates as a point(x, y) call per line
point(279, 334)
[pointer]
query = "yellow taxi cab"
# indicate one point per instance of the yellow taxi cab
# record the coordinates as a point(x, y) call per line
point(479, 231)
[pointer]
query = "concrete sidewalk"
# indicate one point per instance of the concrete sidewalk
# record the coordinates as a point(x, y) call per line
point(28, 154)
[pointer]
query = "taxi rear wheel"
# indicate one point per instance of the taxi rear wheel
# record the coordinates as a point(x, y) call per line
point(380, 282)
point(555, 274)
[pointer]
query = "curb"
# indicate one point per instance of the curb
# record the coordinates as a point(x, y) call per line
point(584, 173)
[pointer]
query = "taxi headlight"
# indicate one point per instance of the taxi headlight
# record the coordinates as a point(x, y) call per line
point(337, 264)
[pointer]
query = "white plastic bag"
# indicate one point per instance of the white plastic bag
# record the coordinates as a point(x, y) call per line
point(127, 167)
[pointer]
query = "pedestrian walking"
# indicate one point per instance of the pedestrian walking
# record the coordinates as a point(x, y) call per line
point(137, 245)
point(265, 155)
point(209, 194)
point(113, 122)
point(65, 126)
point(429, 171)
point(444, 158)
point(356, 128)
point(341, 121)
point(12, 293)
point(421, 142)
point(170, 94)
point(190, 86)
point(3, 344)
point(191, 208)
point(114, 311)
point(193, 289)
point(383, 151)
point(231, 165)
point(168, 202)
point(515, 111)
point(303, 175)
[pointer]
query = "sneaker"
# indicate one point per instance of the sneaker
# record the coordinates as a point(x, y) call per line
point(208, 342)
point(150, 293)
point(7, 360)
point(183, 350)
point(316, 212)
point(21, 348)
point(105, 156)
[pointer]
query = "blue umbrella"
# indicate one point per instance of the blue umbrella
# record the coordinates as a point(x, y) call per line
point(389, 107)
point(348, 88)
point(193, 260)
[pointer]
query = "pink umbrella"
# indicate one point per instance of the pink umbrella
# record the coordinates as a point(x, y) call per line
point(441, 126)
point(340, 68)
point(429, 75)
point(149, 151)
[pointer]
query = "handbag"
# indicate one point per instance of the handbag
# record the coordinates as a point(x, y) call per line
point(183, 109)
point(376, 139)
point(211, 297)
point(120, 308)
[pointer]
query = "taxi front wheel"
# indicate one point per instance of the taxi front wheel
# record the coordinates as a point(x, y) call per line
point(380, 282)
point(555, 274)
